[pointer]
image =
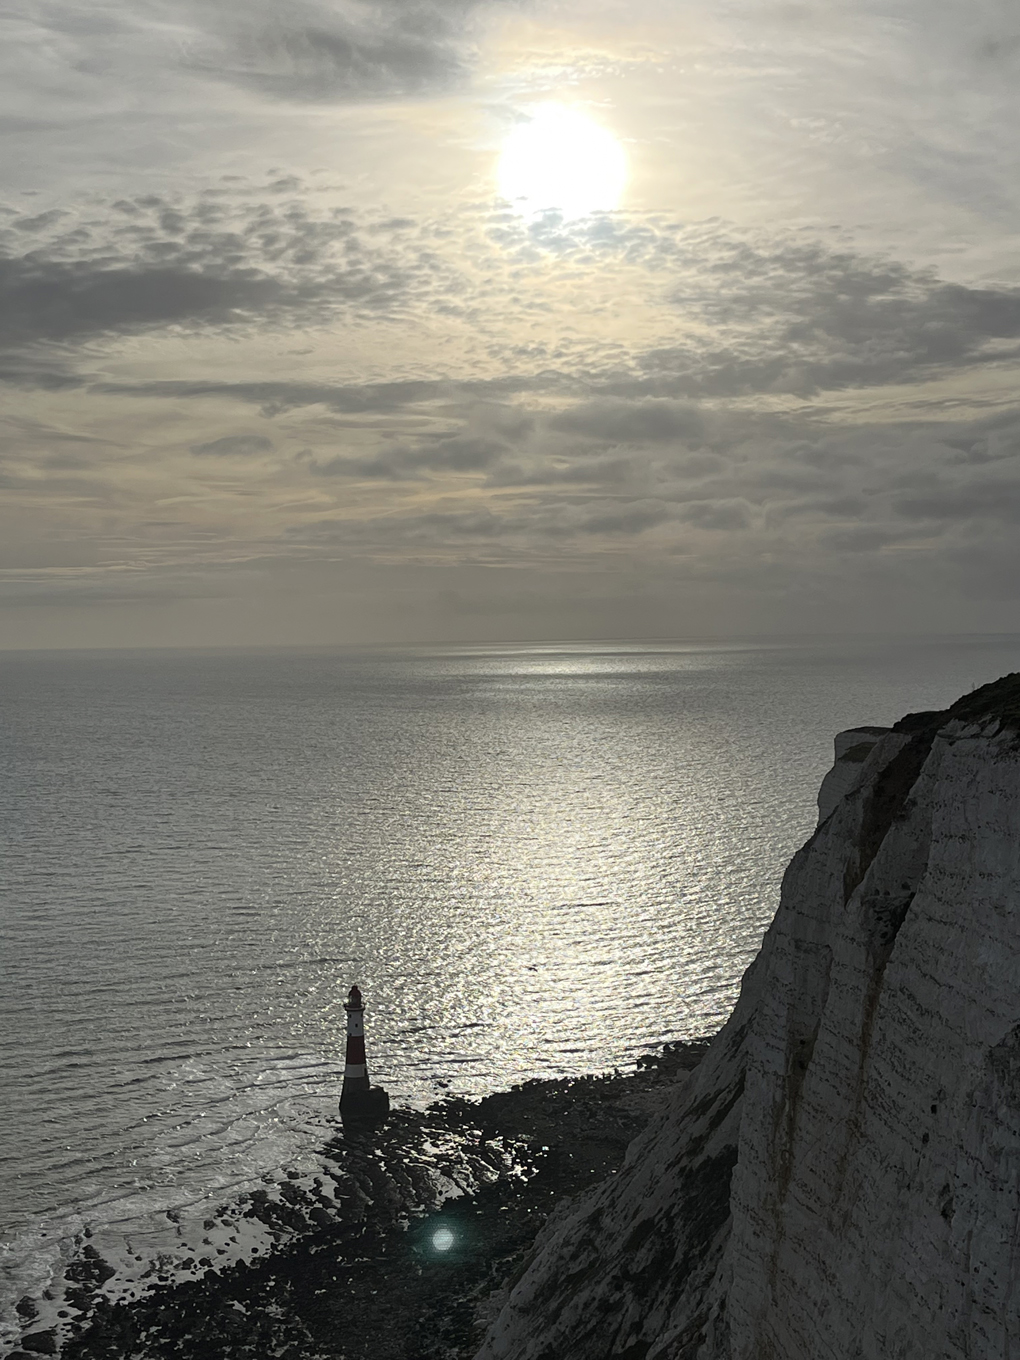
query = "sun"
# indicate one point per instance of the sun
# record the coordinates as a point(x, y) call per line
point(563, 160)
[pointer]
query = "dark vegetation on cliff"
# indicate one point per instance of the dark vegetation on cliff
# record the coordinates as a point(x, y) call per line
point(999, 699)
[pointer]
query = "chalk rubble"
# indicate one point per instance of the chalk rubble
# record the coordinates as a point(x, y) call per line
point(840, 1179)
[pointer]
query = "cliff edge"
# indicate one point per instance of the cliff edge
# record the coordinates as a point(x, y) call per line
point(840, 1179)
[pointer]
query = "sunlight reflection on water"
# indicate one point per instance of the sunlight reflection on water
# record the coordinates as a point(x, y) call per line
point(534, 862)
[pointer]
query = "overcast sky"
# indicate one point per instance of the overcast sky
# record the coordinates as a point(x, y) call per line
point(279, 365)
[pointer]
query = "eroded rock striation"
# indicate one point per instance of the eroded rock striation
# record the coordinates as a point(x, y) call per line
point(840, 1179)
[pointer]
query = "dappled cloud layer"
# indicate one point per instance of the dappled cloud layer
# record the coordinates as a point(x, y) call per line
point(283, 411)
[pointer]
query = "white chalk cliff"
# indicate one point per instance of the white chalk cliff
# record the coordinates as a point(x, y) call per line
point(840, 1179)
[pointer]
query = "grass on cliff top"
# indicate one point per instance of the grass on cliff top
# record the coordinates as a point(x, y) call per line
point(999, 699)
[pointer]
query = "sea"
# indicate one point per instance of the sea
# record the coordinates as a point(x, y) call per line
point(535, 861)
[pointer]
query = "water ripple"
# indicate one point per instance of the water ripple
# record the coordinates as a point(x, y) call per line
point(534, 862)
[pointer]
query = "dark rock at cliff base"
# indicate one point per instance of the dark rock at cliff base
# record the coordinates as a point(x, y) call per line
point(388, 1266)
point(89, 1269)
point(40, 1343)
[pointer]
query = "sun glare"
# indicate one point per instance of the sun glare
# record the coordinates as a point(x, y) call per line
point(560, 159)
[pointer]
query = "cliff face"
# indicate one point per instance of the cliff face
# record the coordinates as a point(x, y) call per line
point(841, 1178)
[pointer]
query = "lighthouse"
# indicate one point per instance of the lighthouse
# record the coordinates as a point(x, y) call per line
point(360, 1102)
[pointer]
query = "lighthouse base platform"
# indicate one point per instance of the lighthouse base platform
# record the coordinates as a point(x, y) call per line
point(365, 1107)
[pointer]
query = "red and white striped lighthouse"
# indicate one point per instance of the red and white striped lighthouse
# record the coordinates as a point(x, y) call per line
point(360, 1102)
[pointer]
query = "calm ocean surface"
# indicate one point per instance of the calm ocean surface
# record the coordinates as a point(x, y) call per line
point(534, 862)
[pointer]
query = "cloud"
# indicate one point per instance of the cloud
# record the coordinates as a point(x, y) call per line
point(722, 515)
point(860, 538)
point(459, 453)
point(805, 319)
point(209, 263)
point(277, 398)
point(979, 498)
point(337, 53)
point(295, 50)
point(513, 522)
point(70, 587)
point(652, 421)
point(58, 302)
point(632, 517)
point(541, 469)
point(490, 449)
point(742, 316)
point(993, 441)
point(235, 446)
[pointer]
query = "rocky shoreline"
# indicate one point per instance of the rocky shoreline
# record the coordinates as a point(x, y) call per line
point(399, 1249)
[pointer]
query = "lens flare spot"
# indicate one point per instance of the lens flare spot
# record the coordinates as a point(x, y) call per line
point(442, 1239)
